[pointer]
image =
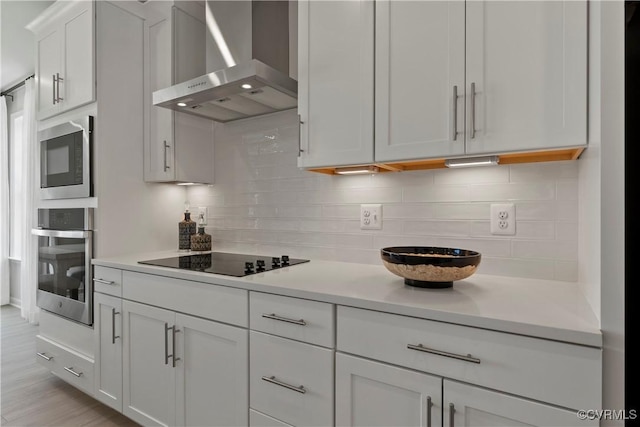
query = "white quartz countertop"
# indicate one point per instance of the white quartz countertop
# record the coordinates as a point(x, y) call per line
point(539, 308)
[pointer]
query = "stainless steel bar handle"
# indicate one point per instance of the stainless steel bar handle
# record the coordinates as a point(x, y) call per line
point(71, 371)
point(174, 359)
point(300, 123)
point(113, 325)
point(429, 404)
point(274, 316)
point(274, 380)
point(71, 234)
point(420, 347)
point(104, 282)
point(58, 80)
point(166, 343)
point(53, 88)
point(473, 110)
point(452, 413)
point(455, 113)
point(44, 356)
point(166, 165)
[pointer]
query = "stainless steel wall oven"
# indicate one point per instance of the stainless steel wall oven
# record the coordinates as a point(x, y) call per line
point(65, 249)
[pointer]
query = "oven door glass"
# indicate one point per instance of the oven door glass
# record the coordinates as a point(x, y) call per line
point(63, 264)
point(61, 161)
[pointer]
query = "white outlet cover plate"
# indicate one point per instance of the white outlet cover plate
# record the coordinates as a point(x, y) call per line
point(205, 211)
point(371, 217)
point(503, 219)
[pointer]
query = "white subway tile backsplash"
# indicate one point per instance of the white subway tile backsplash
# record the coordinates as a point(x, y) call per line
point(262, 202)
point(528, 172)
point(542, 190)
point(559, 250)
point(443, 193)
point(438, 228)
point(480, 175)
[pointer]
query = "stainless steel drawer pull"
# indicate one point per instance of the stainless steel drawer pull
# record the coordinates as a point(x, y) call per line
point(274, 316)
point(113, 325)
point(58, 80)
point(53, 86)
point(452, 413)
point(429, 405)
point(71, 371)
point(455, 113)
point(44, 356)
point(166, 165)
point(420, 347)
point(275, 381)
point(173, 357)
point(473, 110)
point(104, 282)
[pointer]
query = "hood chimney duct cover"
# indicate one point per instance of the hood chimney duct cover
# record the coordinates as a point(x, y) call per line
point(260, 85)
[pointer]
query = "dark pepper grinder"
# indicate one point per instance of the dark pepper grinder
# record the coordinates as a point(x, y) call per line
point(186, 228)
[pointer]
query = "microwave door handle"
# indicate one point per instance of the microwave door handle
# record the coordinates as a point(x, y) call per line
point(70, 234)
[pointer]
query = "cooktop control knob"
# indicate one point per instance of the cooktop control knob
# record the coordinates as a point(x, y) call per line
point(260, 265)
point(248, 267)
point(285, 260)
point(275, 262)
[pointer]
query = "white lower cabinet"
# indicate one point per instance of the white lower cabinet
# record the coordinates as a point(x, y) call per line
point(375, 394)
point(469, 406)
point(181, 370)
point(291, 381)
point(108, 350)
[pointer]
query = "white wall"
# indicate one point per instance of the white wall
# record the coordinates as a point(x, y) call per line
point(613, 204)
point(262, 202)
point(16, 43)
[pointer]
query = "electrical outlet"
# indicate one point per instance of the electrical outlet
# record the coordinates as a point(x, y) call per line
point(201, 211)
point(503, 219)
point(371, 217)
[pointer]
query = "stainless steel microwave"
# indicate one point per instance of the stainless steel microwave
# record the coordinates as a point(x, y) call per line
point(65, 159)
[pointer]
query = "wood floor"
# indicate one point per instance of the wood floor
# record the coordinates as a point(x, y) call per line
point(32, 396)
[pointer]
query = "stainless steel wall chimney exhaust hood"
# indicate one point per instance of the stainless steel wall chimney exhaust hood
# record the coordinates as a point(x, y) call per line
point(241, 87)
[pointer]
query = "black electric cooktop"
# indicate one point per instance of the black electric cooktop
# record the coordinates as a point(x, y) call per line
point(228, 264)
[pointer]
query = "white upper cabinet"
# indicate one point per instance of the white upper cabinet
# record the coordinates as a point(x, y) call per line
point(419, 70)
point(65, 57)
point(178, 147)
point(452, 79)
point(528, 63)
point(335, 82)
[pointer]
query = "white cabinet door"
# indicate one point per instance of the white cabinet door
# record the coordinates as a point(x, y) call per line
point(335, 82)
point(178, 147)
point(375, 394)
point(149, 375)
point(65, 57)
point(78, 84)
point(48, 63)
point(212, 373)
point(528, 63)
point(470, 406)
point(108, 350)
point(419, 79)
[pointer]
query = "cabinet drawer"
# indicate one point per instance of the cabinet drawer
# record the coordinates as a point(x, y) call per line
point(258, 419)
point(564, 374)
point(67, 364)
point(107, 280)
point(294, 318)
point(221, 303)
point(291, 381)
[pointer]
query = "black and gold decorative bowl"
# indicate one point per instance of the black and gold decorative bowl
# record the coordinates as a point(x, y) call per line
point(428, 266)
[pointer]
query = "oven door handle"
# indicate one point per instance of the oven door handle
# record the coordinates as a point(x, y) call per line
point(70, 234)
